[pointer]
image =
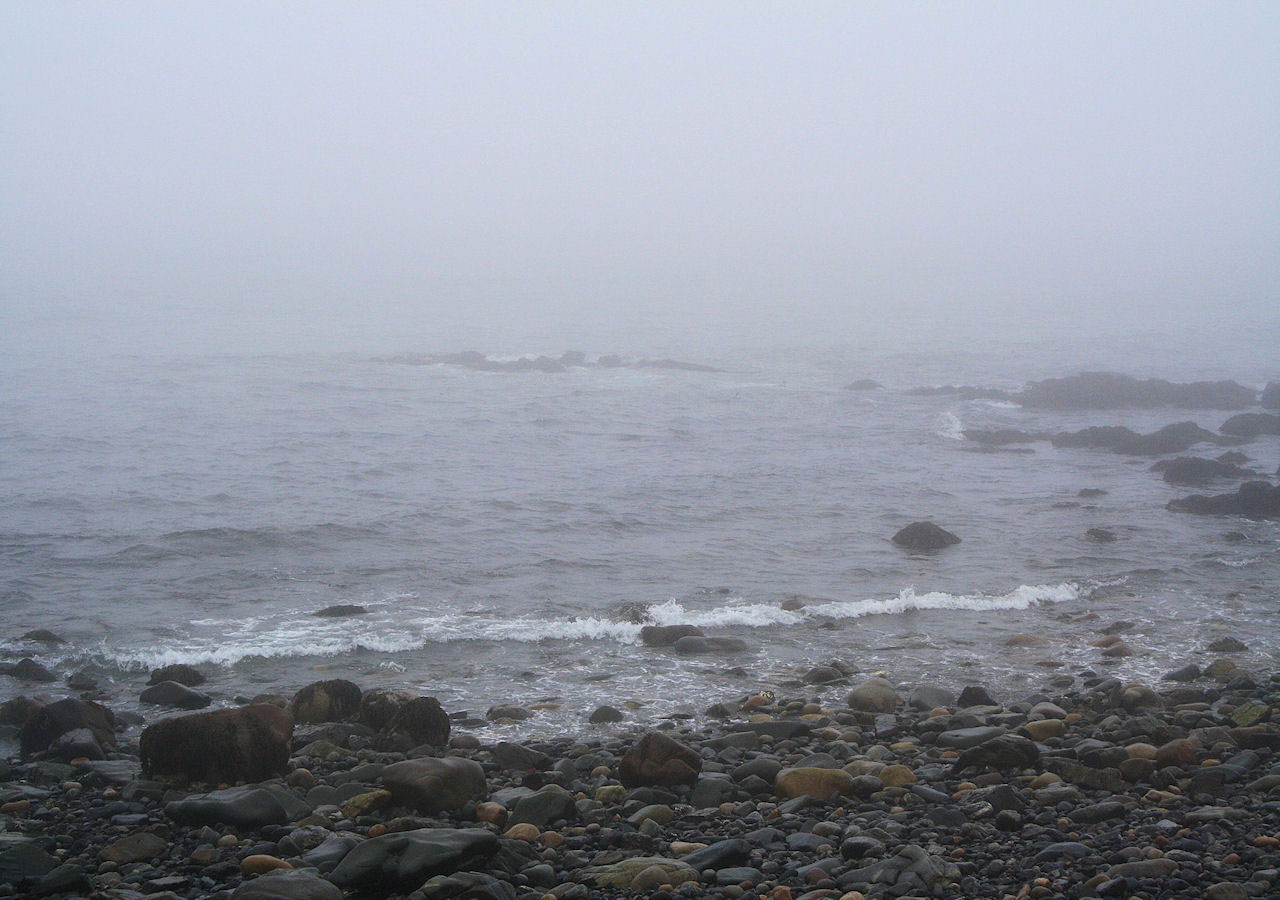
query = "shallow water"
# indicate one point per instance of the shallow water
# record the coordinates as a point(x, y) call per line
point(499, 527)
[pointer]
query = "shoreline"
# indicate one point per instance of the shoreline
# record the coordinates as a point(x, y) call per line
point(1097, 788)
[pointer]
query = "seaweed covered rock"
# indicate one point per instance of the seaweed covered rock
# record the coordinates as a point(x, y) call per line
point(227, 745)
point(48, 723)
point(659, 760)
point(326, 701)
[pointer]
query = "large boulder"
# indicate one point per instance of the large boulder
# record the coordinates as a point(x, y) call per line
point(1193, 470)
point(874, 695)
point(179, 672)
point(1108, 390)
point(379, 706)
point(404, 860)
point(326, 701)
point(252, 806)
point(1251, 425)
point(430, 785)
point(666, 635)
point(29, 670)
point(173, 694)
point(227, 745)
point(1001, 753)
point(50, 722)
point(421, 719)
point(924, 536)
point(1255, 499)
point(284, 884)
point(1271, 395)
point(659, 760)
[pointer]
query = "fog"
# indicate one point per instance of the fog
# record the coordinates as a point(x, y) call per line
point(246, 177)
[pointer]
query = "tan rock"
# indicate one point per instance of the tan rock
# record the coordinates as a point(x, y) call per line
point(261, 863)
point(1043, 729)
point(897, 776)
point(808, 781)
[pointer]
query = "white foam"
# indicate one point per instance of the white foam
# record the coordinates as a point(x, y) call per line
point(1021, 597)
point(948, 426)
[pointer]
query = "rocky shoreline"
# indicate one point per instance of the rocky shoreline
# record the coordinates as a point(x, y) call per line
point(1090, 787)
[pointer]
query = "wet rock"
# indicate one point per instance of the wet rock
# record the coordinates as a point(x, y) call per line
point(692, 644)
point(1004, 753)
point(1227, 645)
point(18, 710)
point(1188, 672)
point(251, 806)
point(909, 871)
point(928, 697)
point(659, 760)
point(874, 695)
point(964, 738)
point(341, 611)
point(1251, 425)
point(604, 715)
point(543, 807)
point(287, 885)
point(812, 782)
point(433, 785)
point(466, 886)
point(28, 669)
point(924, 536)
point(404, 860)
point(422, 720)
point(508, 712)
point(1100, 535)
point(1256, 499)
point(326, 701)
point(227, 745)
point(174, 695)
point(43, 636)
point(134, 848)
point(183, 674)
point(974, 695)
point(50, 722)
point(519, 758)
point(1109, 390)
point(666, 635)
point(622, 874)
point(1193, 470)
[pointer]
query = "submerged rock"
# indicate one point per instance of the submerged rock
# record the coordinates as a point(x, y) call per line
point(1109, 390)
point(1255, 499)
point(924, 536)
point(1194, 470)
point(1251, 425)
point(341, 611)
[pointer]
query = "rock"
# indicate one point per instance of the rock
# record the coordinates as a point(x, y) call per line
point(974, 695)
point(262, 863)
point(964, 738)
point(812, 782)
point(1227, 890)
point(1251, 425)
point(1178, 752)
point(1003, 753)
point(18, 710)
point(928, 697)
point(1193, 470)
point(861, 847)
point(622, 874)
point(76, 744)
point(251, 806)
point(822, 675)
point(1256, 499)
point(1100, 535)
point(1108, 390)
point(465, 886)
point(433, 785)
point(172, 694)
point(134, 847)
point(659, 760)
point(43, 636)
point(28, 669)
point(999, 437)
point(1106, 779)
point(692, 644)
point(512, 713)
point(1187, 673)
point(179, 672)
point(604, 715)
point(543, 807)
point(1144, 868)
point(1134, 697)
point(421, 719)
point(326, 701)
point(1044, 729)
point(922, 536)
point(23, 861)
point(1227, 645)
point(910, 871)
point(1176, 438)
point(874, 695)
point(286, 884)
point(666, 635)
point(379, 706)
point(227, 745)
point(341, 611)
point(404, 860)
point(50, 722)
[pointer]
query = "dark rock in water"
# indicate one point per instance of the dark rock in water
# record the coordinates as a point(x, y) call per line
point(1187, 673)
point(43, 636)
point(863, 384)
point(1100, 535)
point(692, 644)
point(404, 860)
point(227, 745)
point(326, 701)
point(1270, 396)
point(341, 611)
point(1176, 438)
point(659, 760)
point(1193, 470)
point(1090, 493)
point(666, 635)
point(927, 697)
point(172, 694)
point(251, 806)
point(924, 536)
point(287, 885)
point(81, 681)
point(379, 706)
point(998, 437)
point(514, 713)
point(606, 714)
point(1255, 499)
point(28, 669)
point(50, 722)
point(179, 672)
point(17, 710)
point(1108, 390)
point(1251, 425)
point(1228, 645)
point(1235, 537)
point(1233, 458)
point(432, 785)
point(961, 392)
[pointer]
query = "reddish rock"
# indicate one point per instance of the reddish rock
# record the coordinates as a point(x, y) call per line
point(659, 760)
point(248, 744)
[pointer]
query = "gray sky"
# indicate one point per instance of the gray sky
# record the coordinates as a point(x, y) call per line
point(276, 175)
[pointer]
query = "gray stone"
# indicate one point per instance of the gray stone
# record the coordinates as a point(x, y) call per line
point(408, 858)
point(251, 806)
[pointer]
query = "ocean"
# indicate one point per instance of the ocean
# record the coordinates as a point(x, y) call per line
point(509, 532)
